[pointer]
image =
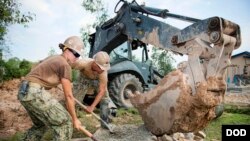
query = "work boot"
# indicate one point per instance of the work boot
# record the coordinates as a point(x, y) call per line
point(105, 112)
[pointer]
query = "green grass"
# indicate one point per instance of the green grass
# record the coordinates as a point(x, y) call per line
point(15, 137)
point(213, 130)
point(237, 109)
point(127, 116)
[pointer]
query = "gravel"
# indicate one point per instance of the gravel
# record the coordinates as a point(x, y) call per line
point(124, 133)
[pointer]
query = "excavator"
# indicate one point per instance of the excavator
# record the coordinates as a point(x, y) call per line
point(185, 100)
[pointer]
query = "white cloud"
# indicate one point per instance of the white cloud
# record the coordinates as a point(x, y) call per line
point(37, 6)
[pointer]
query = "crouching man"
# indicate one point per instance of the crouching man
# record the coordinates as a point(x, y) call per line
point(94, 76)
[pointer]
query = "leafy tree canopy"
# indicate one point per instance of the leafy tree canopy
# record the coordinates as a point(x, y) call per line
point(97, 8)
point(10, 14)
point(163, 61)
point(15, 68)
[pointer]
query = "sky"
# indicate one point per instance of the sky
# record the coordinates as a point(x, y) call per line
point(58, 19)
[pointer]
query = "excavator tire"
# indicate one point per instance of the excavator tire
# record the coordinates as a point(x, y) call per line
point(119, 86)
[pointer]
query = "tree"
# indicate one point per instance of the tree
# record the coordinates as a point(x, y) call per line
point(24, 67)
point(15, 68)
point(52, 51)
point(12, 68)
point(163, 60)
point(96, 7)
point(10, 14)
point(1, 67)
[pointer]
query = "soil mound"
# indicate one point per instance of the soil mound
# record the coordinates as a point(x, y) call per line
point(13, 116)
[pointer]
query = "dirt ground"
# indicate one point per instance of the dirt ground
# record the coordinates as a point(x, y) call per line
point(13, 117)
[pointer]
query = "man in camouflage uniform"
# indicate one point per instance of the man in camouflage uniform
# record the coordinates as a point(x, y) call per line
point(45, 111)
point(94, 76)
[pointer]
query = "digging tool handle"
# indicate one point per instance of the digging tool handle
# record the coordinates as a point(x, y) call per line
point(86, 132)
point(85, 107)
point(96, 116)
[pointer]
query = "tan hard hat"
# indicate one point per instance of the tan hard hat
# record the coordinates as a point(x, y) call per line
point(102, 60)
point(75, 43)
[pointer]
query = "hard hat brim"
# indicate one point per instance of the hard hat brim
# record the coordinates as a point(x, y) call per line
point(78, 52)
point(105, 68)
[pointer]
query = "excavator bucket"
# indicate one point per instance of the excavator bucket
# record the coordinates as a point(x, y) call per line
point(170, 107)
point(185, 99)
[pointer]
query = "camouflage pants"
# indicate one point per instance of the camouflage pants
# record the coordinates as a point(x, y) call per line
point(84, 84)
point(45, 112)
